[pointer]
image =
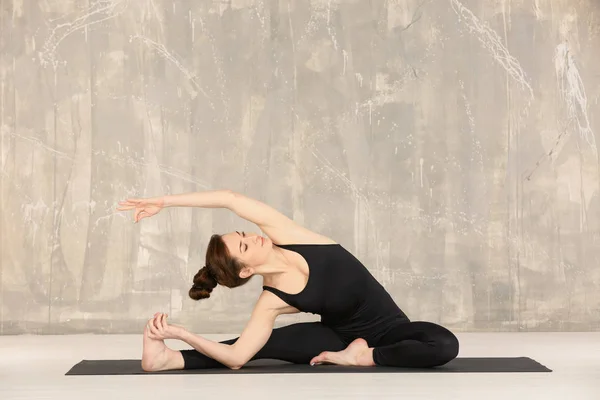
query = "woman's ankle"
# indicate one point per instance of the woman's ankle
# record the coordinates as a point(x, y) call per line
point(365, 358)
point(174, 359)
point(165, 359)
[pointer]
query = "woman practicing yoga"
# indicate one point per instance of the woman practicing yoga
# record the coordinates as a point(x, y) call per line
point(302, 271)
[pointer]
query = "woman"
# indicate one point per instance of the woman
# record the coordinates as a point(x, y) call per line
point(302, 271)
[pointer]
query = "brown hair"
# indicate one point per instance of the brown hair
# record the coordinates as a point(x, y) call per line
point(221, 268)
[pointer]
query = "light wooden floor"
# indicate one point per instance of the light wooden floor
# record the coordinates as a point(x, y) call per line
point(33, 367)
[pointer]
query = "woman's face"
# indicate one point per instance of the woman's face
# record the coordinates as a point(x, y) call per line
point(250, 248)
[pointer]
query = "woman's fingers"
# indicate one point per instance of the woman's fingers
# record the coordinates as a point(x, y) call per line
point(157, 326)
point(144, 208)
point(158, 320)
point(130, 204)
point(158, 323)
point(151, 328)
point(137, 215)
point(124, 206)
point(143, 214)
point(153, 336)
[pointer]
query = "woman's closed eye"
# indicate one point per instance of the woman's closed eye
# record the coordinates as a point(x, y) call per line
point(243, 234)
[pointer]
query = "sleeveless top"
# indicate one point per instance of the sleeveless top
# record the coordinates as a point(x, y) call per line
point(343, 292)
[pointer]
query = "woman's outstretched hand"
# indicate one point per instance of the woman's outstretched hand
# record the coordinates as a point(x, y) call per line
point(158, 328)
point(143, 207)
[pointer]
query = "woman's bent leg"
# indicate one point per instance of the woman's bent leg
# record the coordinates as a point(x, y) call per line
point(296, 343)
point(416, 344)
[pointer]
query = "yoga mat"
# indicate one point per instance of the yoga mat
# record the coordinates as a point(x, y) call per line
point(133, 367)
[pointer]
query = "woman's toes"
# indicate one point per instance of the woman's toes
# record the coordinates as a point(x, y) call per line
point(319, 359)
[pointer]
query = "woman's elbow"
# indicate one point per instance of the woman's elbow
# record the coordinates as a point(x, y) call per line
point(237, 363)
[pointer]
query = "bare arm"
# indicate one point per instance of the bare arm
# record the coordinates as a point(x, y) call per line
point(279, 227)
point(207, 199)
point(253, 338)
point(245, 207)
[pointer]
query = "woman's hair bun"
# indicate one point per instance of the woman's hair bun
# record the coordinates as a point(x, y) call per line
point(204, 283)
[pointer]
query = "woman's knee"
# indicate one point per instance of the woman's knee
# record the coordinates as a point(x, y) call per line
point(448, 346)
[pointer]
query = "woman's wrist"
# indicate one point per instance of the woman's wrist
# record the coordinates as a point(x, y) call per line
point(166, 201)
point(181, 334)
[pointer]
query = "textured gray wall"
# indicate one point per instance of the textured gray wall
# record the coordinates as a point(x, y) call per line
point(450, 145)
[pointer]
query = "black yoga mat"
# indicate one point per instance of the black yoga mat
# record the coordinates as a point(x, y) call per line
point(133, 367)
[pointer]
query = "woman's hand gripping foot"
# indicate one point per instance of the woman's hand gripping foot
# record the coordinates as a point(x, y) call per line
point(156, 356)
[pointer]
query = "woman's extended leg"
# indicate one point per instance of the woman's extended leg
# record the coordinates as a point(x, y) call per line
point(296, 343)
point(409, 344)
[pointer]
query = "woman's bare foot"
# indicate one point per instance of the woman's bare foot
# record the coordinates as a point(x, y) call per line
point(357, 353)
point(156, 356)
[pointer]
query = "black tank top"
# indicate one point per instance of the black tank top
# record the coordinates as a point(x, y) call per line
point(343, 292)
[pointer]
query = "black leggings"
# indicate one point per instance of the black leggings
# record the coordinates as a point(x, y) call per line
point(411, 344)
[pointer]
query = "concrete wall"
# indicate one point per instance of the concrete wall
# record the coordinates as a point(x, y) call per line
point(450, 145)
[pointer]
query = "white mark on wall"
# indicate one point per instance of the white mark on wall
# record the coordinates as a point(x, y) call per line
point(329, 28)
point(99, 11)
point(221, 78)
point(421, 170)
point(104, 218)
point(572, 91)
point(32, 213)
point(320, 11)
point(254, 108)
point(393, 92)
point(17, 11)
point(38, 143)
point(475, 141)
point(261, 17)
point(293, 42)
point(492, 42)
point(167, 55)
point(192, 25)
point(537, 10)
point(4, 132)
point(467, 107)
point(158, 17)
point(359, 78)
point(165, 169)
